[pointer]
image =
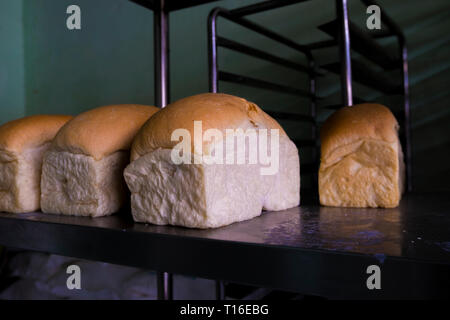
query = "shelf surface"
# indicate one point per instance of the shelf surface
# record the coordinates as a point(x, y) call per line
point(308, 249)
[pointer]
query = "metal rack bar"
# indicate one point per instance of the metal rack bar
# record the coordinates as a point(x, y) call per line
point(212, 51)
point(363, 74)
point(161, 49)
point(322, 44)
point(261, 30)
point(162, 91)
point(220, 290)
point(407, 111)
point(363, 44)
point(242, 48)
point(262, 6)
point(248, 81)
point(313, 111)
point(164, 285)
point(344, 52)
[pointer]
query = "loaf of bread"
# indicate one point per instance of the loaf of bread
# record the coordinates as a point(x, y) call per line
point(205, 194)
point(22, 146)
point(82, 173)
point(362, 160)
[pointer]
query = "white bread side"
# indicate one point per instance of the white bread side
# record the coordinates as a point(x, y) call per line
point(22, 146)
point(362, 159)
point(20, 176)
point(76, 184)
point(209, 195)
point(83, 170)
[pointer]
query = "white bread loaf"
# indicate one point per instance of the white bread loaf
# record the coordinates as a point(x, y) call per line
point(201, 195)
point(362, 160)
point(22, 146)
point(82, 173)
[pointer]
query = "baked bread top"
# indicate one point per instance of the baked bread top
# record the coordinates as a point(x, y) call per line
point(362, 121)
point(102, 131)
point(30, 132)
point(215, 110)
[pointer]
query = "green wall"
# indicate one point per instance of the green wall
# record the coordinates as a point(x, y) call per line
point(109, 60)
point(12, 92)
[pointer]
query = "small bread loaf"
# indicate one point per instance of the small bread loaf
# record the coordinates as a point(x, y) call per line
point(22, 146)
point(362, 159)
point(82, 173)
point(201, 194)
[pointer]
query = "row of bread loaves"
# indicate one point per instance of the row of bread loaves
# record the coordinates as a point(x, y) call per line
point(84, 165)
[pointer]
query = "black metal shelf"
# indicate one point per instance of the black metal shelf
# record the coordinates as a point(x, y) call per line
point(308, 249)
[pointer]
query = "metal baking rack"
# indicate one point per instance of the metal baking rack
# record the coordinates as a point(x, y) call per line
point(216, 74)
point(308, 249)
point(343, 32)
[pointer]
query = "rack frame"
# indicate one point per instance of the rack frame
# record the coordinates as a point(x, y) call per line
point(109, 239)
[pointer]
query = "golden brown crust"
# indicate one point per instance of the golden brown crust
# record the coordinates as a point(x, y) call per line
point(30, 132)
point(104, 130)
point(350, 124)
point(215, 110)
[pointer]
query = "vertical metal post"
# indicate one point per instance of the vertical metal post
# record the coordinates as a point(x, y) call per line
point(212, 51)
point(164, 285)
point(161, 50)
point(344, 52)
point(220, 290)
point(214, 88)
point(162, 98)
point(313, 111)
point(407, 124)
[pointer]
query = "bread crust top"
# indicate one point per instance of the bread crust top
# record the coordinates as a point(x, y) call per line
point(30, 132)
point(362, 121)
point(102, 131)
point(215, 110)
